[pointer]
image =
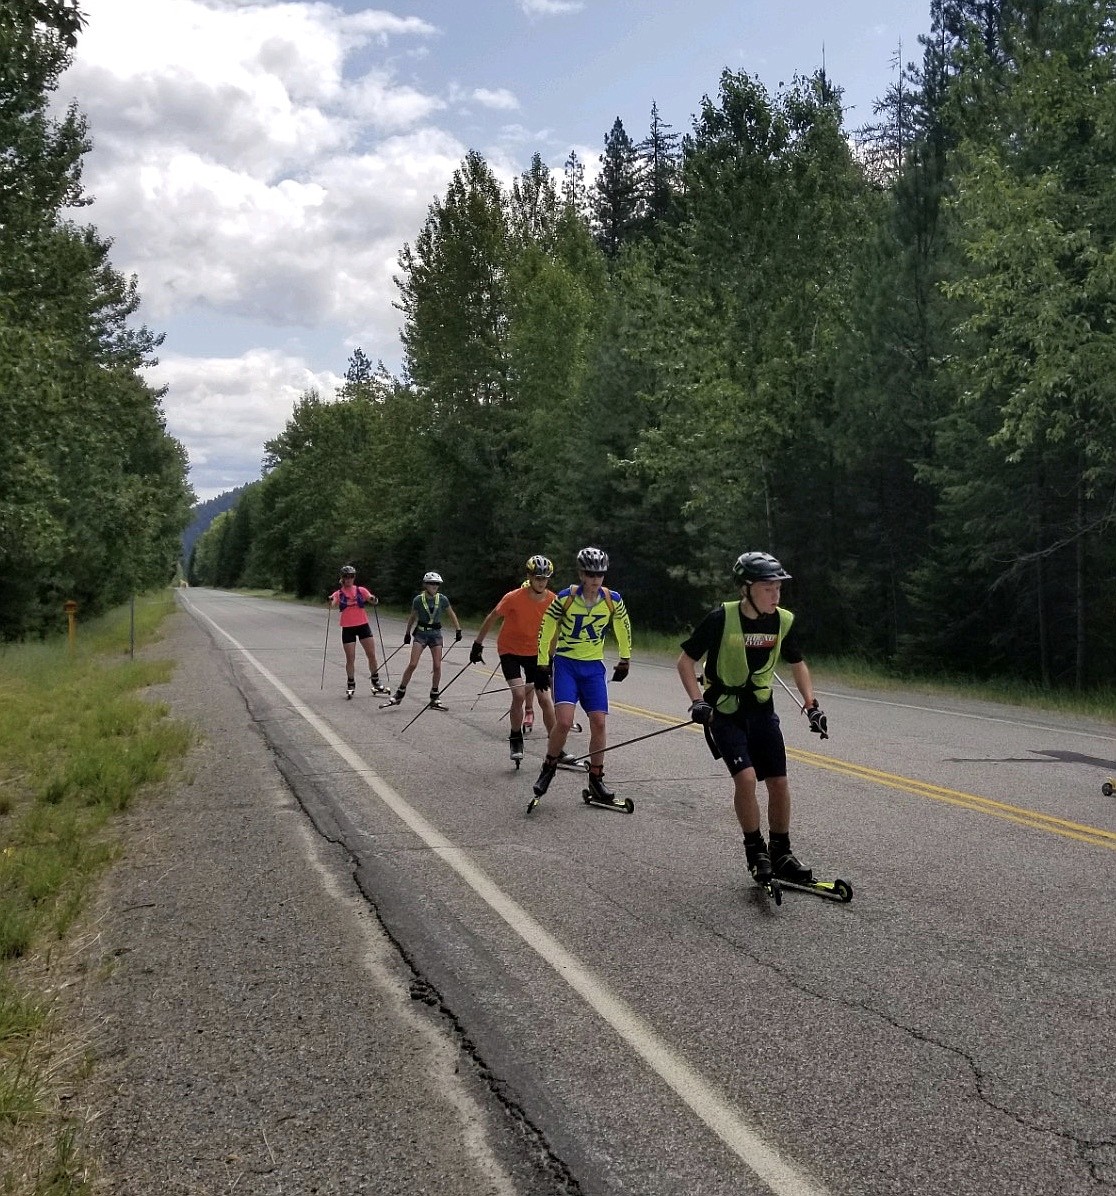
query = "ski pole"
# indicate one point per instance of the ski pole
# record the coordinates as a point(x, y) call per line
point(466, 665)
point(650, 735)
point(484, 688)
point(325, 649)
point(801, 708)
point(383, 650)
point(399, 649)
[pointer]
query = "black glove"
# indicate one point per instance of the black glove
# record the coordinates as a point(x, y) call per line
point(407, 638)
point(476, 654)
point(542, 677)
point(457, 636)
point(701, 712)
point(818, 723)
point(621, 670)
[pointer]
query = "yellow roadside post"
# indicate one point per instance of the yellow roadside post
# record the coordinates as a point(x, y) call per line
point(70, 607)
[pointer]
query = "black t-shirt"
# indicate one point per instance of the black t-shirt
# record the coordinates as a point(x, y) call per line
point(760, 636)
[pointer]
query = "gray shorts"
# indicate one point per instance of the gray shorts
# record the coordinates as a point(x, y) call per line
point(428, 639)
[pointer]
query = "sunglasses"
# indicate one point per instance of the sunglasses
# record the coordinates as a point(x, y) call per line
point(589, 574)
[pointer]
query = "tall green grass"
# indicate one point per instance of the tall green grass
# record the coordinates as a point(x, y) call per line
point(78, 742)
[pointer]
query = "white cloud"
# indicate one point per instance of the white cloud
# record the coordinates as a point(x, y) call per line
point(224, 409)
point(550, 8)
point(498, 97)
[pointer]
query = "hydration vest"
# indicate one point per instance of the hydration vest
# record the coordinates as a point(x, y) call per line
point(343, 601)
point(734, 679)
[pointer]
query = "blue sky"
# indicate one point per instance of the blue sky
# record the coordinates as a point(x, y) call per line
point(258, 165)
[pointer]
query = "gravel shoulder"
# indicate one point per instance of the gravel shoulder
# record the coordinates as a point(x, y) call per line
point(253, 1027)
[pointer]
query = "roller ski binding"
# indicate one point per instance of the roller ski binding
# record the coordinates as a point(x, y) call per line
point(350, 689)
point(515, 748)
point(546, 775)
point(565, 760)
point(435, 702)
point(395, 699)
point(378, 688)
point(600, 795)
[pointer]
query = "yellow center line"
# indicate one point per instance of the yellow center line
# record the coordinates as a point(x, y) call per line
point(1020, 815)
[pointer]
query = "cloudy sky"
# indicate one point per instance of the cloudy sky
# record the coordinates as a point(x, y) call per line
point(259, 163)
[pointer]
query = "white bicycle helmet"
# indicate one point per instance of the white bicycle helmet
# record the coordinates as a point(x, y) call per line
point(593, 560)
point(436, 578)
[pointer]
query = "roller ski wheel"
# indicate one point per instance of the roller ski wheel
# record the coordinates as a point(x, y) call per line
point(770, 885)
point(1108, 788)
point(831, 890)
point(528, 721)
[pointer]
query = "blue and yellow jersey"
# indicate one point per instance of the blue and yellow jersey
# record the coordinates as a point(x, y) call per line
point(580, 630)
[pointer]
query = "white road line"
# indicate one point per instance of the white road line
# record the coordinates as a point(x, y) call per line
point(713, 1107)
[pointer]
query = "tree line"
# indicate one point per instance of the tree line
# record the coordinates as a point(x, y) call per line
point(93, 491)
point(884, 355)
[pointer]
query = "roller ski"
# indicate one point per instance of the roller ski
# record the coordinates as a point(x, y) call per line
point(350, 689)
point(396, 699)
point(831, 890)
point(378, 688)
point(793, 875)
point(1108, 788)
point(598, 794)
point(572, 763)
point(542, 784)
point(528, 721)
point(435, 702)
point(515, 748)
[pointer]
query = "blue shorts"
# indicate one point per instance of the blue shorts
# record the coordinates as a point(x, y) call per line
point(751, 741)
point(581, 681)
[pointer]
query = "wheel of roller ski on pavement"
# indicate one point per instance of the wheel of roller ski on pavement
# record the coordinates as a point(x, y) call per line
point(621, 803)
point(1108, 788)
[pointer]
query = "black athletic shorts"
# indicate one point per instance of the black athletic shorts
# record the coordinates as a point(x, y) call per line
point(751, 741)
point(350, 635)
point(511, 666)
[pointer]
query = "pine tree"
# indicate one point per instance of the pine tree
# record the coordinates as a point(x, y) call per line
point(616, 198)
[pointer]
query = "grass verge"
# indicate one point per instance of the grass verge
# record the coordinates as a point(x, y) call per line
point(77, 743)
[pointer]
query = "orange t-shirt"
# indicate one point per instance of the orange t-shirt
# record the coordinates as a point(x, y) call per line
point(523, 612)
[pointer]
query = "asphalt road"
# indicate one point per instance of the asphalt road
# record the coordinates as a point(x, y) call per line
point(659, 1024)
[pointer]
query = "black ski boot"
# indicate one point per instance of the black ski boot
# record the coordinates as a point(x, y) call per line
point(435, 704)
point(350, 688)
point(759, 861)
point(546, 775)
point(395, 698)
point(515, 746)
point(784, 863)
point(377, 686)
point(597, 787)
point(599, 794)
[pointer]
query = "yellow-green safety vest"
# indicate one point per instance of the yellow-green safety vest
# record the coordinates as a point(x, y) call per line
point(733, 677)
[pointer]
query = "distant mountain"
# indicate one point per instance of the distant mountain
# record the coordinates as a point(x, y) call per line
point(205, 513)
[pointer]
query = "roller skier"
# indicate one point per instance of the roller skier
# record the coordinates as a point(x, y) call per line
point(741, 643)
point(352, 600)
point(428, 607)
point(520, 613)
point(570, 657)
